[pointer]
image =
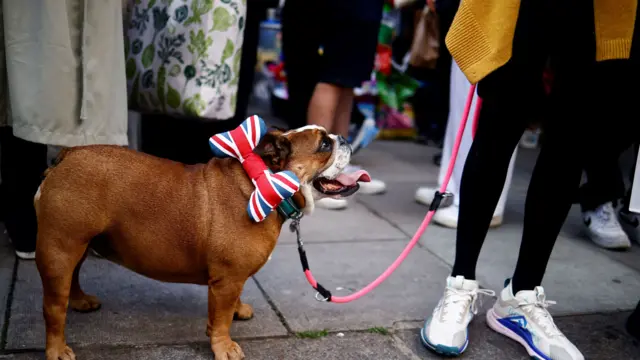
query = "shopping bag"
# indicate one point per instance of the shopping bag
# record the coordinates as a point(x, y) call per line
point(183, 57)
point(425, 47)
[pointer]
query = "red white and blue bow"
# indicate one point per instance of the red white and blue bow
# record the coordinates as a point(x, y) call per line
point(271, 189)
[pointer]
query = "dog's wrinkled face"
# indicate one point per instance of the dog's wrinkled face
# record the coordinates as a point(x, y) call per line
point(316, 157)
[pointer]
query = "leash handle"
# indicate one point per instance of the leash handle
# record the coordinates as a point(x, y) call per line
point(295, 224)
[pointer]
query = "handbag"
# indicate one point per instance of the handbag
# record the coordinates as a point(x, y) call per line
point(425, 47)
point(183, 57)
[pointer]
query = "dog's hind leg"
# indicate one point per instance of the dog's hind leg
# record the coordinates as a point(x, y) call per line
point(78, 300)
point(57, 258)
point(243, 311)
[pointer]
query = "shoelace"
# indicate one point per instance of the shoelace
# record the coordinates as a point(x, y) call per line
point(456, 301)
point(539, 313)
point(605, 214)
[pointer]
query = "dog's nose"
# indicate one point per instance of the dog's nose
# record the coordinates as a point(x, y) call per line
point(341, 140)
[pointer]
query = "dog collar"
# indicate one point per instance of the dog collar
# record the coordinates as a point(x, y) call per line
point(289, 209)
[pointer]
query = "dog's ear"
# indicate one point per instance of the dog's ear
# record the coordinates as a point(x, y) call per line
point(274, 149)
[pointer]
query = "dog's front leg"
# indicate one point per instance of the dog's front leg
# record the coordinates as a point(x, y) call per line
point(223, 299)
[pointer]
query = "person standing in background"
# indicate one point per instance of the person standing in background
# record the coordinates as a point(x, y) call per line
point(63, 83)
point(605, 204)
point(448, 216)
point(329, 49)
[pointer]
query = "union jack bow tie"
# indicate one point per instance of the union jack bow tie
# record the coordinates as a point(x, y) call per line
point(271, 189)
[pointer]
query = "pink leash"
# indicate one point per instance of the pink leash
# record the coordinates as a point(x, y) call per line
point(325, 295)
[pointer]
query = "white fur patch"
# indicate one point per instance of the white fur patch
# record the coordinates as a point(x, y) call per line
point(37, 196)
point(305, 128)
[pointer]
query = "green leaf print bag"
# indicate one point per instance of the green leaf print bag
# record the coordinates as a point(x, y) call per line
point(183, 56)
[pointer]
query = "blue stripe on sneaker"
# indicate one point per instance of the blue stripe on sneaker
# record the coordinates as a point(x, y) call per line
point(517, 325)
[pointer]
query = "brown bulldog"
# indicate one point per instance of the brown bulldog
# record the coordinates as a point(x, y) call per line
point(172, 222)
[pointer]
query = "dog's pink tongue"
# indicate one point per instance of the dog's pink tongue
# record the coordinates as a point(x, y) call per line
point(349, 179)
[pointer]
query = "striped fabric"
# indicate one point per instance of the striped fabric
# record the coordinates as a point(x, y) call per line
point(271, 188)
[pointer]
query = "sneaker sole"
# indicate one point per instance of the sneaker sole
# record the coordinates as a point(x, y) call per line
point(441, 349)
point(495, 325)
point(624, 244)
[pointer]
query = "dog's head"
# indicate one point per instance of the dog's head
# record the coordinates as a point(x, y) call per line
point(316, 157)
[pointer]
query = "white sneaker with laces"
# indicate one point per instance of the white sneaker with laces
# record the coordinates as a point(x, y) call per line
point(604, 229)
point(445, 332)
point(525, 319)
point(630, 224)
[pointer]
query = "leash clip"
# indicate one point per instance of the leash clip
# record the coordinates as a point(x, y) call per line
point(319, 297)
point(438, 198)
point(295, 228)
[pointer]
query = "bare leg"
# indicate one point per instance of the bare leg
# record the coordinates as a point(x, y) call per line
point(343, 113)
point(323, 106)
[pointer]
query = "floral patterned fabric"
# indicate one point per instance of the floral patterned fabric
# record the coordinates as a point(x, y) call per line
point(183, 56)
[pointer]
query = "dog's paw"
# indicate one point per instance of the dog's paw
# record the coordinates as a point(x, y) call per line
point(86, 303)
point(227, 350)
point(244, 312)
point(62, 353)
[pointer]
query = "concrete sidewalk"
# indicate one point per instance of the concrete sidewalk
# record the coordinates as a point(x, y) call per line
point(145, 319)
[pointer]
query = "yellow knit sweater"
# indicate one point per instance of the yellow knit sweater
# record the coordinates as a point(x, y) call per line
point(481, 36)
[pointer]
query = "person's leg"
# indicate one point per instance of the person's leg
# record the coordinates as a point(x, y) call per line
point(598, 199)
point(343, 113)
point(301, 60)
point(485, 171)
point(570, 137)
point(324, 105)
point(23, 165)
point(248, 59)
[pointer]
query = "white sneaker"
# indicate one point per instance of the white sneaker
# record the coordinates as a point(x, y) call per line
point(26, 255)
point(604, 229)
point(630, 225)
point(445, 332)
point(525, 319)
point(448, 217)
point(332, 204)
point(373, 187)
point(425, 195)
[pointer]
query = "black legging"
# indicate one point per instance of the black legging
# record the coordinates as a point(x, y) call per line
point(574, 127)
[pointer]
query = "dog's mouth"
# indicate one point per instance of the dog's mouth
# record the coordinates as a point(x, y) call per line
point(343, 185)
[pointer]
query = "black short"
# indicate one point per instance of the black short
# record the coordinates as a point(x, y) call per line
point(338, 51)
point(323, 49)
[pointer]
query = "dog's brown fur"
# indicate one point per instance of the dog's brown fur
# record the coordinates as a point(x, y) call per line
point(162, 219)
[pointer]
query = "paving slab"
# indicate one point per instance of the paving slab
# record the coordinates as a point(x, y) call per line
point(354, 223)
point(353, 346)
point(407, 295)
point(7, 262)
point(399, 207)
point(135, 310)
point(396, 161)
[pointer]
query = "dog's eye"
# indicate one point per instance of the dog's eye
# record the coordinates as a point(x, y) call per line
point(325, 145)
